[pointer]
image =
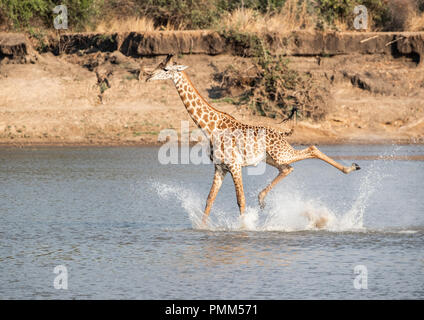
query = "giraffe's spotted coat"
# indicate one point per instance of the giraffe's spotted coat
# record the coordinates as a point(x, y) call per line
point(235, 144)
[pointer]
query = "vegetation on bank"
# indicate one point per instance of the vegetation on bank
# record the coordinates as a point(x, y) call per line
point(268, 86)
point(241, 15)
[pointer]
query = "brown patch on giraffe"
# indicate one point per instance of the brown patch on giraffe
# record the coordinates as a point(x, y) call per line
point(190, 110)
point(189, 96)
point(211, 126)
point(205, 117)
point(199, 112)
point(222, 146)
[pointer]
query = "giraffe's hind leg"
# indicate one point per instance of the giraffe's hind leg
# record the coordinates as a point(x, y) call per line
point(283, 169)
point(313, 152)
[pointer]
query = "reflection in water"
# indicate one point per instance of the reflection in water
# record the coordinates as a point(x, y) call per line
point(241, 249)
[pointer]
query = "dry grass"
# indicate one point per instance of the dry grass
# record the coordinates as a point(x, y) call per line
point(244, 20)
point(292, 17)
point(129, 24)
point(125, 25)
point(415, 22)
point(341, 25)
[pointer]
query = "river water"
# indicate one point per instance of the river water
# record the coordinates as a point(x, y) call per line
point(124, 226)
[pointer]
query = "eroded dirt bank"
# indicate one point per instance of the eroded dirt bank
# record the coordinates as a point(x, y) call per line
point(89, 89)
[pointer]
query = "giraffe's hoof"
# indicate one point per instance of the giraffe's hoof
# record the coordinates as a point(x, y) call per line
point(203, 225)
point(356, 166)
point(261, 200)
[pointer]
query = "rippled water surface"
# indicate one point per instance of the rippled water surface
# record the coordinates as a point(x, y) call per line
point(127, 227)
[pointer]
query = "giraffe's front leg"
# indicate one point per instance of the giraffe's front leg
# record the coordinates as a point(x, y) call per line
point(238, 183)
point(216, 185)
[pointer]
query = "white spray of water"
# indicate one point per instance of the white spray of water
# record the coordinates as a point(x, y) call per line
point(289, 211)
point(285, 212)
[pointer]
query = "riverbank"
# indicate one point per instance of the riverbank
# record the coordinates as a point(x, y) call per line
point(92, 94)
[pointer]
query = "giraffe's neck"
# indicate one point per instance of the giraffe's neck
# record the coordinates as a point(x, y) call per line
point(205, 116)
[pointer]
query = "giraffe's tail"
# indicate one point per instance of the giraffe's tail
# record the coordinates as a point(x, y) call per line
point(292, 114)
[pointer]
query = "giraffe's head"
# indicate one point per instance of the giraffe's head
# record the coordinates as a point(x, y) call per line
point(165, 70)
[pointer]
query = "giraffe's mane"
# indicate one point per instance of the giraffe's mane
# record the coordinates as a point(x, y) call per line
point(204, 100)
point(288, 133)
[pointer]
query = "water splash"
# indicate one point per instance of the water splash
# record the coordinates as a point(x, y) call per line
point(289, 211)
point(296, 213)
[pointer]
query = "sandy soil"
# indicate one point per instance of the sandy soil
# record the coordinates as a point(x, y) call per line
point(63, 100)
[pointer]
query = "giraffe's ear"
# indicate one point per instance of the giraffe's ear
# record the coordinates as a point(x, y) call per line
point(175, 68)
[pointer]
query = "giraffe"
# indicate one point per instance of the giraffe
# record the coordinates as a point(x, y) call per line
point(233, 144)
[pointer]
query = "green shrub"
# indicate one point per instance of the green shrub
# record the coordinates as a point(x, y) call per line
point(19, 13)
point(331, 10)
point(279, 90)
point(81, 13)
point(263, 6)
point(269, 86)
point(385, 15)
point(190, 14)
point(342, 10)
point(380, 13)
point(22, 14)
point(244, 44)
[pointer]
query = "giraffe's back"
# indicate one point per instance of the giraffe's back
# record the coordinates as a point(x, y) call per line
point(249, 144)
